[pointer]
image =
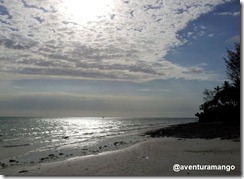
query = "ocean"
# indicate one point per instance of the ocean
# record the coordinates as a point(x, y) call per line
point(26, 140)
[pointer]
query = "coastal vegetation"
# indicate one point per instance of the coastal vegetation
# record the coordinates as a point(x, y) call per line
point(223, 103)
point(220, 116)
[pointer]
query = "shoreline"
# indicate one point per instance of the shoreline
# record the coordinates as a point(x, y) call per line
point(170, 144)
point(105, 145)
point(34, 157)
point(144, 159)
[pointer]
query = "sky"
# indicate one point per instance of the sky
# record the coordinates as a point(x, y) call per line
point(127, 58)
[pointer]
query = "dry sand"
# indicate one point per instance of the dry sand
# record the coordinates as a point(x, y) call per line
point(155, 157)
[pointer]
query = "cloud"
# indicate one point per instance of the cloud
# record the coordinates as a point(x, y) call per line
point(129, 42)
point(55, 97)
point(16, 43)
point(155, 90)
point(211, 35)
point(228, 13)
point(233, 39)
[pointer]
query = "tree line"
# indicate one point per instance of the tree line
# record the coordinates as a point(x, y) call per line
point(223, 102)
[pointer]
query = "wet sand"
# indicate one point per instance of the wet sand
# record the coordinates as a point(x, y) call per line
point(35, 158)
point(154, 157)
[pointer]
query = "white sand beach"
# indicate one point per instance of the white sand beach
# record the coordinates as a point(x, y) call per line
point(155, 157)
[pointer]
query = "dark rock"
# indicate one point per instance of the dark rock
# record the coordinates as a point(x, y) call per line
point(65, 137)
point(3, 165)
point(119, 142)
point(46, 158)
point(199, 130)
point(23, 171)
point(61, 153)
point(88, 133)
point(11, 160)
point(122, 142)
point(51, 155)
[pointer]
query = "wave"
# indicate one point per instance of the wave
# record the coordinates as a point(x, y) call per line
point(18, 145)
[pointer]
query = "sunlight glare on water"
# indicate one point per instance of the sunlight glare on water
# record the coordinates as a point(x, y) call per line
point(37, 136)
point(73, 126)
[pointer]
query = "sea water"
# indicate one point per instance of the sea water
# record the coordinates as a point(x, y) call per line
point(32, 140)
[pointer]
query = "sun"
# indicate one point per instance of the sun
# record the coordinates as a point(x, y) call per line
point(86, 10)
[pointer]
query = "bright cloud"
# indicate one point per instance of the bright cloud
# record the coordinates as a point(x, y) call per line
point(126, 40)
